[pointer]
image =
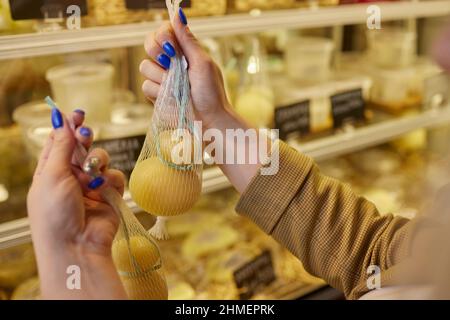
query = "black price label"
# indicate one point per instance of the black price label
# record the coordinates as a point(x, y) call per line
point(348, 107)
point(124, 152)
point(41, 9)
point(152, 4)
point(255, 275)
point(292, 119)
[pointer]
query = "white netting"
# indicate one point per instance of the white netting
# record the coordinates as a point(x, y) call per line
point(167, 179)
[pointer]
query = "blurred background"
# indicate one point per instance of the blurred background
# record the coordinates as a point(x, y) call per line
point(369, 105)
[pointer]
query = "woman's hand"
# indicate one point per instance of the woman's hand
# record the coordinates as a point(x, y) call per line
point(207, 85)
point(207, 90)
point(71, 224)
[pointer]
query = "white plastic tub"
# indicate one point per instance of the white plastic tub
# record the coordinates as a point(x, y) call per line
point(83, 86)
point(308, 59)
point(391, 48)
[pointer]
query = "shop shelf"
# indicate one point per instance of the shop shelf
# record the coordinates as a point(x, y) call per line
point(15, 232)
point(95, 38)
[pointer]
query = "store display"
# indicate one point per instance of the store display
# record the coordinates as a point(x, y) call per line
point(392, 48)
point(308, 109)
point(204, 242)
point(15, 174)
point(186, 224)
point(28, 290)
point(303, 86)
point(395, 90)
point(127, 121)
point(248, 5)
point(16, 265)
point(180, 290)
point(93, 83)
point(110, 12)
point(308, 59)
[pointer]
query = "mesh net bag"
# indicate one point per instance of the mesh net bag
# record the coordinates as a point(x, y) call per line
point(136, 255)
point(167, 178)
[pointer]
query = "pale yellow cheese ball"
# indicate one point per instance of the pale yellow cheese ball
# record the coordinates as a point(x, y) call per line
point(162, 190)
point(144, 253)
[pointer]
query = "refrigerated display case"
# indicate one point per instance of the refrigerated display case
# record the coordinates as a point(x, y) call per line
point(377, 152)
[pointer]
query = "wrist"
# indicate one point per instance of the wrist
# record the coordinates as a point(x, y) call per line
point(71, 272)
point(224, 118)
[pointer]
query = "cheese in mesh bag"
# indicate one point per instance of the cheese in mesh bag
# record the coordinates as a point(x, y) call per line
point(167, 178)
point(136, 256)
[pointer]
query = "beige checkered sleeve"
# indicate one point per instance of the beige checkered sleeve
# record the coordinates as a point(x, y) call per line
point(335, 233)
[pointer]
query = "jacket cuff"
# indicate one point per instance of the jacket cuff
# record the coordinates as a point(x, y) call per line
point(268, 196)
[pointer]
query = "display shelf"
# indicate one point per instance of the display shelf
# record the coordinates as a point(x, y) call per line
point(95, 38)
point(15, 232)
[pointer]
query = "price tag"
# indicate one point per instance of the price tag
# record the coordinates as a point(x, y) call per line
point(124, 152)
point(294, 118)
point(152, 4)
point(40, 9)
point(255, 275)
point(348, 107)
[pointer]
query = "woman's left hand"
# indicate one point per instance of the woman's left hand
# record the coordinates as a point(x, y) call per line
point(71, 224)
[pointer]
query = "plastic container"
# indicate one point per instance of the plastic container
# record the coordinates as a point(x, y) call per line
point(85, 86)
point(391, 48)
point(128, 121)
point(248, 5)
point(395, 90)
point(308, 59)
point(32, 113)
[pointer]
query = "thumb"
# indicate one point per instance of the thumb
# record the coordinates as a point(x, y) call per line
point(189, 44)
point(60, 155)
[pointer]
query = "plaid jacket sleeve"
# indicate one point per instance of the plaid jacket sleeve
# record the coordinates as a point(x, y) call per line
point(335, 233)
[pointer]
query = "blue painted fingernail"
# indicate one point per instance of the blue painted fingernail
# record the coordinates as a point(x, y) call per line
point(183, 18)
point(96, 183)
point(79, 111)
point(164, 60)
point(169, 49)
point(85, 132)
point(57, 119)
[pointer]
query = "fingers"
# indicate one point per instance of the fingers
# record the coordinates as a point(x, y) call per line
point(115, 179)
point(92, 187)
point(161, 46)
point(60, 154)
point(97, 158)
point(152, 71)
point(151, 90)
point(188, 43)
point(44, 155)
point(85, 136)
point(78, 117)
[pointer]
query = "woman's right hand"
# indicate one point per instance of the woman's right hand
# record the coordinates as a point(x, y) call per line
point(207, 85)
